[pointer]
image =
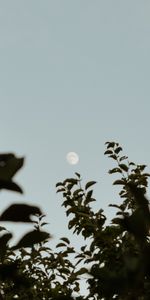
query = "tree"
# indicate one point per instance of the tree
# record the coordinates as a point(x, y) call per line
point(114, 258)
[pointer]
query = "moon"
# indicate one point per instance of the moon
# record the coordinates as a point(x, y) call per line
point(72, 158)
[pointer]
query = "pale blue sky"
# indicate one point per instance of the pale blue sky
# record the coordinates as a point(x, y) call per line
point(73, 74)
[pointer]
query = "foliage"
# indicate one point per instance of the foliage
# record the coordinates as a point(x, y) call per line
point(114, 259)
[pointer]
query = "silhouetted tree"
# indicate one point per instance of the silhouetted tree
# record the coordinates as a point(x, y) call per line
point(114, 258)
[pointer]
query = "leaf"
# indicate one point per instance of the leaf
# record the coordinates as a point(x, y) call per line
point(82, 271)
point(70, 250)
point(131, 164)
point(71, 210)
point(117, 221)
point(89, 198)
point(121, 182)
point(64, 271)
point(146, 174)
point(86, 215)
point(113, 156)
point(60, 245)
point(114, 170)
point(10, 185)
point(117, 150)
point(77, 287)
point(59, 184)
point(89, 184)
point(65, 240)
point(124, 167)
point(108, 152)
point(70, 186)
point(78, 262)
point(9, 165)
point(2, 228)
point(110, 144)
point(123, 158)
point(61, 190)
point(44, 223)
point(78, 192)
point(19, 213)
point(77, 174)
point(83, 248)
point(41, 216)
point(71, 223)
point(70, 180)
point(3, 244)
point(89, 194)
point(31, 238)
point(114, 205)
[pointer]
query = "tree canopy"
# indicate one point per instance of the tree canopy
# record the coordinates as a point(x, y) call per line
point(114, 258)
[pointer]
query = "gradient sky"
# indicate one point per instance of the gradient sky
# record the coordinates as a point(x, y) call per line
point(73, 74)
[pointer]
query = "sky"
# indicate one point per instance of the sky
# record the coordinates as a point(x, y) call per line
point(73, 75)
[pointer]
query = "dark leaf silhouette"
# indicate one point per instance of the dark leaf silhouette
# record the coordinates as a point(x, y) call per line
point(66, 240)
point(4, 239)
point(78, 175)
point(108, 152)
point(110, 144)
point(118, 149)
point(31, 238)
point(115, 170)
point(121, 182)
point(124, 167)
point(89, 184)
point(10, 185)
point(9, 165)
point(2, 228)
point(20, 213)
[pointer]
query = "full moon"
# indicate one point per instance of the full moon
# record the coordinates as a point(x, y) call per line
point(72, 158)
